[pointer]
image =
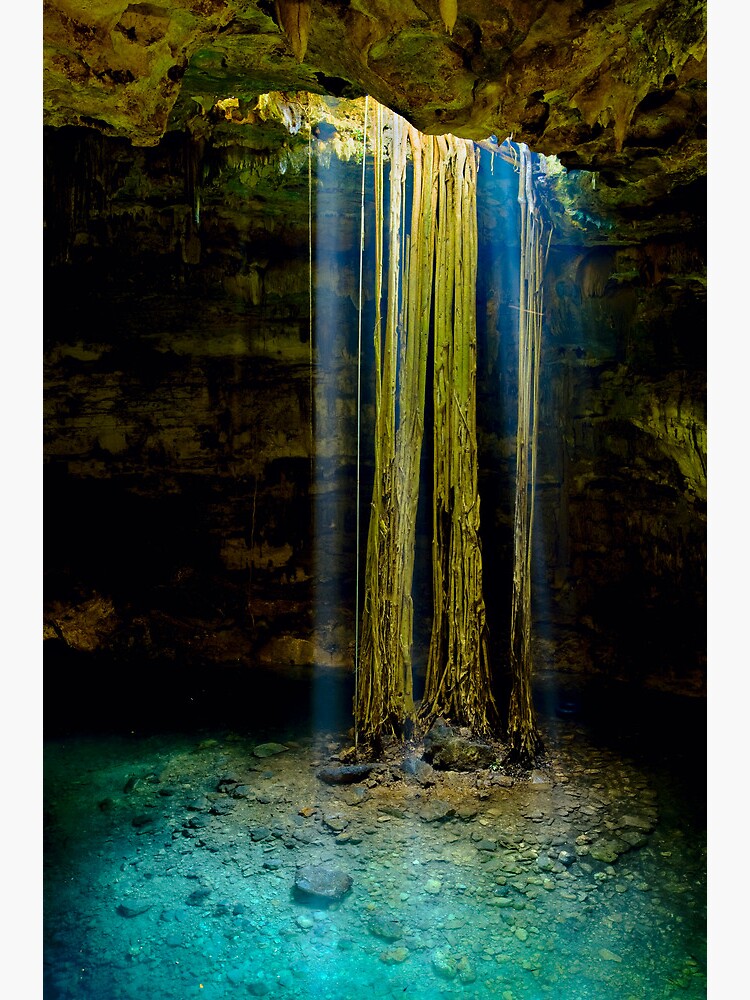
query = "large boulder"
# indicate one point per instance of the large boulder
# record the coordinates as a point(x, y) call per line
point(448, 750)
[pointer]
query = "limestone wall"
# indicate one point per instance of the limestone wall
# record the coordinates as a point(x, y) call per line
point(201, 460)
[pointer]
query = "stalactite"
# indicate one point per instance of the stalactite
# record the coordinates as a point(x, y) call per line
point(449, 13)
point(458, 678)
point(523, 734)
point(293, 17)
point(194, 152)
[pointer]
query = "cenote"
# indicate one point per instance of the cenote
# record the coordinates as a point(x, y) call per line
point(375, 501)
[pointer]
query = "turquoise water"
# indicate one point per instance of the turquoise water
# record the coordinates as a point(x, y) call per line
point(170, 863)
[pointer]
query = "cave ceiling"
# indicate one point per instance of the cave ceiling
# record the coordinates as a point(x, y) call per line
point(615, 88)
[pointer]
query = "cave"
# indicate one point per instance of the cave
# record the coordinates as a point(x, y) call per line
point(237, 267)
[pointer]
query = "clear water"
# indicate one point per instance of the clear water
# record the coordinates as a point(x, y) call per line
point(502, 897)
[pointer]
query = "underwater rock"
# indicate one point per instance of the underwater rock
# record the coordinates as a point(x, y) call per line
point(394, 956)
point(502, 780)
point(390, 810)
point(198, 897)
point(417, 768)
point(633, 837)
point(228, 779)
point(465, 970)
point(444, 965)
point(258, 988)
point(447, 750)
point(318, 882)
point(383, 926)
point(607, 851)
point(199, 822)
point(486, 845)
point(141, 820)
point(436, 811)
point(540, 778)
point(345, 775)
point(133, 907)
point(222, 807)
point(642, 823)
point(269, 749)
point(335, 822)
point(567, 856)
point(241, 792)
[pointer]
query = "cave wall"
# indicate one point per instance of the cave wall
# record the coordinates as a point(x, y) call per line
point(190, 523)
point(620, 548)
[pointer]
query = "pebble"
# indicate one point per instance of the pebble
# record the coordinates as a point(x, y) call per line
point(198, 897)
point(383, 926)
point(394, 956)
point(258, 988)
point(435, 811)
point(335, 822)
point(444, 965)
point(609, 956)
point(141, 820)
point(269, 750)
point(199, 822)
point(520, 856)
point(133, 907)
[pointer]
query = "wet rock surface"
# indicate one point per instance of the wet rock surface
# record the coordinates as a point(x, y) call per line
point(321, 883)
point(450, 750)
point(346, 774)
point(465, 884)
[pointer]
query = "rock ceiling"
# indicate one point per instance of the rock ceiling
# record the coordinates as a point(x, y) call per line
point(613, 87)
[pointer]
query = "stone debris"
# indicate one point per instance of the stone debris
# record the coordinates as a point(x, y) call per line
point(447, 750)
point(133, 907)
point(455, 888)
point(322, 883)
point(269, 750)
point(346, 774)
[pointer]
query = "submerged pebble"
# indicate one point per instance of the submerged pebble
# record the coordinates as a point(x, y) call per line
point(431, 878)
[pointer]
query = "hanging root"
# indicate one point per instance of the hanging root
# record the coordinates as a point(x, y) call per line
point(457, 684)
point(526, 743)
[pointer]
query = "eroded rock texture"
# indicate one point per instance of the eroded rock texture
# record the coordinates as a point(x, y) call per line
point(618, 88)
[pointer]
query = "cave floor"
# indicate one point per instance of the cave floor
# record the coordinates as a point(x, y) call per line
point(170, 864)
